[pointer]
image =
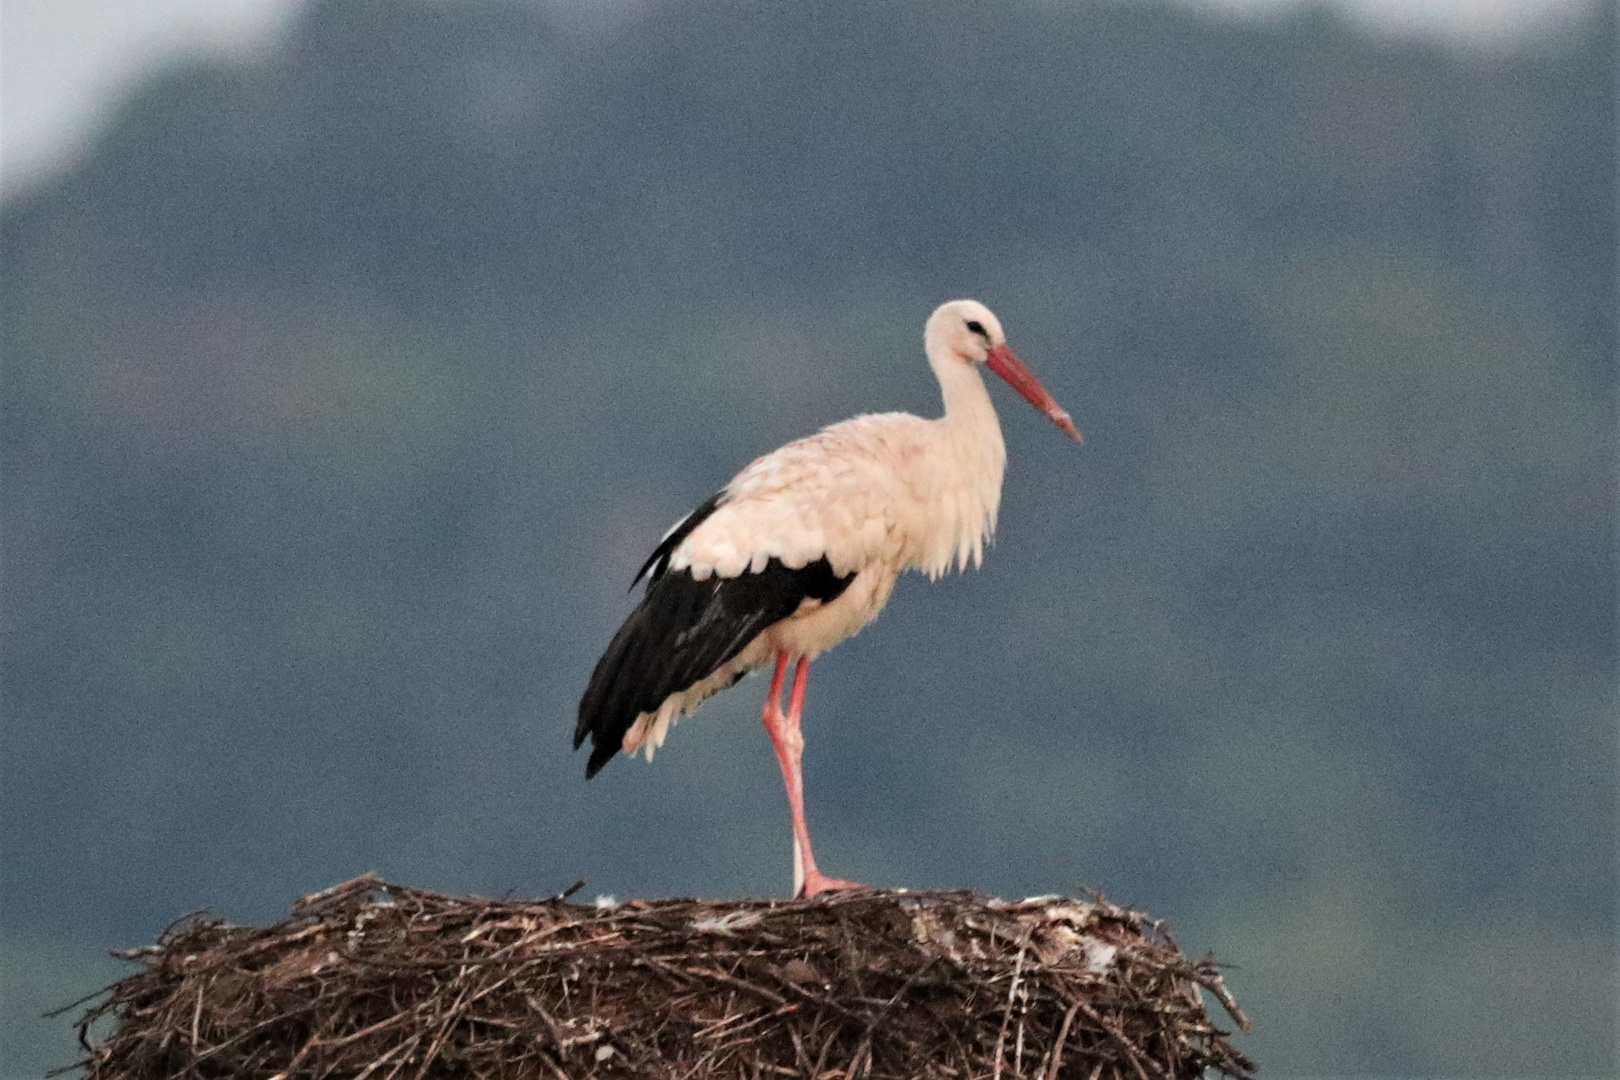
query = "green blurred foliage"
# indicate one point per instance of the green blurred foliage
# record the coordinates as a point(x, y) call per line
point(344, 390)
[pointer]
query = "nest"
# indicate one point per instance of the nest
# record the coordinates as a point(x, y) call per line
point(376, 980)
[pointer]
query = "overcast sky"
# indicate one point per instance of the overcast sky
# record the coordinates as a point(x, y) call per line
point(64, 64)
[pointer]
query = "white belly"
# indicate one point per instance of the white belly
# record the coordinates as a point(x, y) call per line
point(818, 627)
point(811, 631)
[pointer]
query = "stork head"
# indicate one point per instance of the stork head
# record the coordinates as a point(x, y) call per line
point(965, 331)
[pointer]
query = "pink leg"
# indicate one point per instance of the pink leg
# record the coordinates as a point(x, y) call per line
point(788, 739)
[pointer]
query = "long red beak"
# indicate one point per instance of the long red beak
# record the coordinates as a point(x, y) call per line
point(1002, 361)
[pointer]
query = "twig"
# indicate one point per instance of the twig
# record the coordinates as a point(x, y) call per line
point(1012, 992)
point(1062, 1038)
point(196, 1019)
point(1214, 982)
point(1135, 1054)
point(741, 984)
point(379, 1062)
point(715, 1027)
point(366, 882)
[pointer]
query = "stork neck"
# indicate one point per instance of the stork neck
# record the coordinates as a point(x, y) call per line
point(965, 485)
point(969, 414)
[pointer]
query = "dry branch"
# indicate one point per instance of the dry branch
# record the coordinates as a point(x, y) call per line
point(372, 980)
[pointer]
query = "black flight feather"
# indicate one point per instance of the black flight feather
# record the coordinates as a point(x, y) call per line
point(683, 631)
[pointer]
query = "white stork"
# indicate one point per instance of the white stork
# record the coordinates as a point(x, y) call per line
point(801, 550)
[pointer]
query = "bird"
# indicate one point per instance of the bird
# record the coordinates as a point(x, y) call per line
point(801, 549)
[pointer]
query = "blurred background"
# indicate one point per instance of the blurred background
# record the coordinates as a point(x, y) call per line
point(357, 352)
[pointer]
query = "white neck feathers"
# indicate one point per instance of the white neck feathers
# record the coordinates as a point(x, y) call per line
point(971, 460)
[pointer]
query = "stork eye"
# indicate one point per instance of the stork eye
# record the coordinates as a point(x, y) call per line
point(978, 328)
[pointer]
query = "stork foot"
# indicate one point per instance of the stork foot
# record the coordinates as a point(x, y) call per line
point(816, 883)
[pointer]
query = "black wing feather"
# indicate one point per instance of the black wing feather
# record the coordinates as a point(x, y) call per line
point(682, 632)
point(658, 561)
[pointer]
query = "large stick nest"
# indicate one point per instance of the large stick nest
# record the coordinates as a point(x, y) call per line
point(376, 980)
